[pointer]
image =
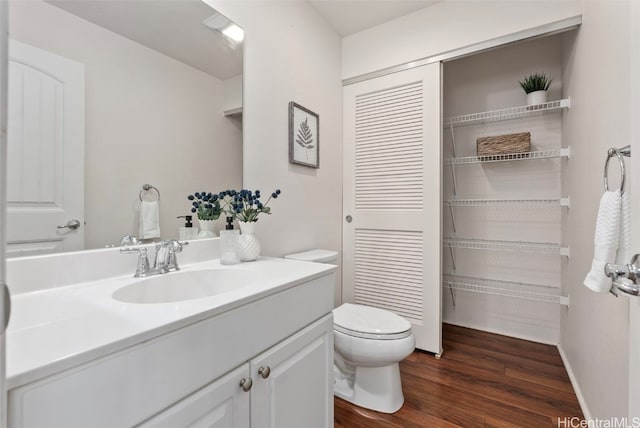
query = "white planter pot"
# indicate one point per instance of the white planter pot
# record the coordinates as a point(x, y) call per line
point(537, 97)
point(248, 244)
point(207, 225)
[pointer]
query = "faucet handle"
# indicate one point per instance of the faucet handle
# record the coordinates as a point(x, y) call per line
point(177, 246)
point(143, 261)
point(128, 240)
point(173, 247)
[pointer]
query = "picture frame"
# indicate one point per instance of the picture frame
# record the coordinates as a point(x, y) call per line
point(304, 136)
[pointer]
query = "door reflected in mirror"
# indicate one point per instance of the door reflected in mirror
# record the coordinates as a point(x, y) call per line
point(106, 97)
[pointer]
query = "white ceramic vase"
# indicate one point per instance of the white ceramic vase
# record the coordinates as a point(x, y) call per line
point(248, 244)
point(206, 229)
point(536, 97)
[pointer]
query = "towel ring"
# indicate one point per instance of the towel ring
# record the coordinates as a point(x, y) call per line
point(146, 188)
point(611, 153)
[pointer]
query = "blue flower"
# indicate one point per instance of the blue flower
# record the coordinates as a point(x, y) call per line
point(277, 191)
point(197, 195)
point(190, 197)
point(193, 210)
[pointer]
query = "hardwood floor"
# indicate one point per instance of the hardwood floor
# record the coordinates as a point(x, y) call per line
point(482, 380)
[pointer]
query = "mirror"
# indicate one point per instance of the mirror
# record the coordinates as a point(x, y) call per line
point(107, 96)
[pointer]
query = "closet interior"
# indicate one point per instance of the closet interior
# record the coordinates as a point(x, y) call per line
point(502, 242)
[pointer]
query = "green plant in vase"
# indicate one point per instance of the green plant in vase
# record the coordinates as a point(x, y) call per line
point(536, 86)
point(247, 207)
point(206, 206)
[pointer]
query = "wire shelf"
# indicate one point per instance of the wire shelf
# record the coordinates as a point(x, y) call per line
point(542, 154)
point(540, 293)
point(507, 114)
point(508, 246)
point(561, 202)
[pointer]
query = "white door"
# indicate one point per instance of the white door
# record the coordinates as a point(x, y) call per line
point(391, 198)
point(221, 404)
point(45, 153)
point(293, 381)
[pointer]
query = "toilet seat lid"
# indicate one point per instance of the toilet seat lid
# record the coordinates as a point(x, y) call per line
point(366, 321)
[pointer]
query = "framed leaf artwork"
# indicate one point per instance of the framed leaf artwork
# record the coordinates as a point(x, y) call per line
point(304, 136)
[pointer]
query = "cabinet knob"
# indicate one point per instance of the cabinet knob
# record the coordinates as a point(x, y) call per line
point(264, 372)
point(246, 384)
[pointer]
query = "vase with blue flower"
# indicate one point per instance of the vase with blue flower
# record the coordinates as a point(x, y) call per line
point(206, 206)
point(246, 208)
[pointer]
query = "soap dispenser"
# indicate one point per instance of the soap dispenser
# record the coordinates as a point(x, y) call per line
point(229, 244)
point(188, 231)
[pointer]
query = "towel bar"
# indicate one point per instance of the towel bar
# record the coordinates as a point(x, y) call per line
point(619, 153)
point(146, 188)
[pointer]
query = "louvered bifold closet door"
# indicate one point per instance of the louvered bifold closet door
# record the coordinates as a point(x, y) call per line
point(392, 187)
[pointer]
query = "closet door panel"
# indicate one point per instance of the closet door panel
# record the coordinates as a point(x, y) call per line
point(391, 198)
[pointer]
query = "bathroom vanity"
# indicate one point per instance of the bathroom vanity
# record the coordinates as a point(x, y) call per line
point(260, 355)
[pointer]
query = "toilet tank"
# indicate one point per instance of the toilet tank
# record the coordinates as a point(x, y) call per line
point(317, 256)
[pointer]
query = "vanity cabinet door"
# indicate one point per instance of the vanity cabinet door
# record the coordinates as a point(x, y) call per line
point(221, 404)
point(293, 381)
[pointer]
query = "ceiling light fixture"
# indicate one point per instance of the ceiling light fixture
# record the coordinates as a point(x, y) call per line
point(222, 24)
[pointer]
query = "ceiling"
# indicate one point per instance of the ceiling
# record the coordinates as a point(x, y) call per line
point(350, 16)
point(174, 28)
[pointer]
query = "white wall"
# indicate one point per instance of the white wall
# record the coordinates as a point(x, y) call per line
point(291, 54)
point(484, 82)
point(149, 119)
point(444, 26)
point(233, 93)
point(597, 77)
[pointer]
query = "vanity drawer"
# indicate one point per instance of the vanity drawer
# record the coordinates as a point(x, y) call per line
point(129, 386)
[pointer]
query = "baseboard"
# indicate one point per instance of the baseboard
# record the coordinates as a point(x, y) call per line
point(576, 386)
point(500, 332)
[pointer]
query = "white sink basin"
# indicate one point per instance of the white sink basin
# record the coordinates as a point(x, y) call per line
point(180, 286)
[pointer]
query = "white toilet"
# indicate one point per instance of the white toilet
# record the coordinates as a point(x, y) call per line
point(368, 343)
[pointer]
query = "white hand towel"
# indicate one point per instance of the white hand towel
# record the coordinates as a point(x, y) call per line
point(623, 256)
point(149, 220)
point(605, 241)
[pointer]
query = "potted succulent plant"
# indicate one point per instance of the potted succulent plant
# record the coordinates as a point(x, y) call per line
point(536, 85)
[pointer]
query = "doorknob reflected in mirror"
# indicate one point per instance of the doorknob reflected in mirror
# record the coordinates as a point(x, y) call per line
point(71, 224)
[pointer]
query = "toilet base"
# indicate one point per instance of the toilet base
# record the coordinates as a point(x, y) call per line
point(375, 388)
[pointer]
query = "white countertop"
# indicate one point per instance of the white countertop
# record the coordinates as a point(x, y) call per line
point(51, 330)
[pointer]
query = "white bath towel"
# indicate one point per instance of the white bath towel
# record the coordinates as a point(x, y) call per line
point(605, 243)
point(149, 220)
point(624, 254)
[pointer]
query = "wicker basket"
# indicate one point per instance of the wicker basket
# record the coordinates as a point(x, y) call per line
point(504, 144)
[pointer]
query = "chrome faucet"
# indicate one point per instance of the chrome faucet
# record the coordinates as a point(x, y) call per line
point(165, 258)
